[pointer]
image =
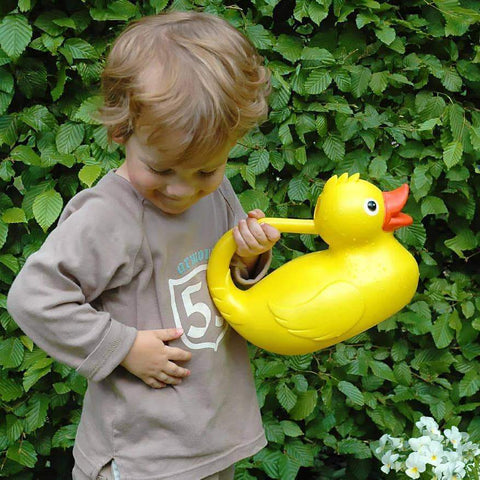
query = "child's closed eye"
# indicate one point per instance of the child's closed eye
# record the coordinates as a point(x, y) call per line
point(161, 172)
point(207, 174)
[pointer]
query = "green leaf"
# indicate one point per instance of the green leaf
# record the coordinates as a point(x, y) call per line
point(289, 47)
point(465, 240)
point(301, 452)
point(39, 118)
point(273, 431)
point(9, 388)
point(318, 56)
point(258, 161)
point(65, 436)
point(87, 110)
point(378, 82)
point(317, 12)
point(6, 81)
point(252, 199)
point(475, 137)
point(385, 34)
point(14, 215)
point(36, 414)
point(24, 5)
point(453, 154)
point(8, 129)
point(291, 429)
point(355, 447)
point(33, 375)
point(360, 80)
point(433, 206)
point(14, 428)
point(24, 453)
point(3, 233)
point(285, 134)
point(298, 188)
point(76, 48)
point(381, 370)
point(351, 392)
point(116, 10)
point(470, 384)
point(57, 91)
point(25, 154)
point(441, 332)
point(451, 80)
point(11, 352)
point(305, 405)
point(15, 35)
point(31, 77)
point(11, 262)
point(334, 148)
point(89, 174)
point(47, 208)
point(285, 396)
point(317, 82)
point(69, 137)
point(260, 36)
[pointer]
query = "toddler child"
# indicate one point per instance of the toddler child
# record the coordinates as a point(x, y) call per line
point(118, 290)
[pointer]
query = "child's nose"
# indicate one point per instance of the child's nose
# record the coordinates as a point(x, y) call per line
point(179, 189)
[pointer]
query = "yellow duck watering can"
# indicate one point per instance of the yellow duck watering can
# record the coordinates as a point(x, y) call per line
point(322, 298)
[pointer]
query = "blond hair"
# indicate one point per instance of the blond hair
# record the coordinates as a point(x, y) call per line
point(189, 76)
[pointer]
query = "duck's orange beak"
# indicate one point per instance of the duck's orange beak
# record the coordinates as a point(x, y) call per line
point(394, 202)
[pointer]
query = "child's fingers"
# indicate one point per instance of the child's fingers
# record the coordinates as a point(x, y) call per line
point(167, 334)
point(162, 377)
point(271, 233)
point(178, 355)
point(257, 213)
point(154, 383)
point(252, 233)
point(173, 370)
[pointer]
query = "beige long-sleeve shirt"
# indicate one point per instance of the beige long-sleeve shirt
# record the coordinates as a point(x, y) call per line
point(116, 264)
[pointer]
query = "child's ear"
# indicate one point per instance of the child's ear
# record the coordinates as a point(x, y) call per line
point(118, 139)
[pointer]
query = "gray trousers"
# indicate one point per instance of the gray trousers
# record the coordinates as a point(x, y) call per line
point(107, 474)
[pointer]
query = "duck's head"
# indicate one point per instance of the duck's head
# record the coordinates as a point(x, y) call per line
point(353, 211)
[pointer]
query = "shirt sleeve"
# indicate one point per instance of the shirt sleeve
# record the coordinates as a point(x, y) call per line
point(240, 273)
point(92, 250)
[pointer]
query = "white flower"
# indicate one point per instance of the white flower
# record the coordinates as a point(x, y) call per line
point(454, 435)
point(429, 426)
point(387, 440)
point(415, 464)
point(382, 442)
point(419, 444)
point(452, 457)
point(433, 452)
point(388, 461)
point(450, 470)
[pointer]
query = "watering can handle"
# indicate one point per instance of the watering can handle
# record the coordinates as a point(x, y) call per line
point(225, 248)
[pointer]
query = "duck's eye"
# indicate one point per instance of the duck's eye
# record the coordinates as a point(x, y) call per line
point(371, 206)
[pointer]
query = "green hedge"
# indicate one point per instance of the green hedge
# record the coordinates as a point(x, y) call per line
point(387, 89)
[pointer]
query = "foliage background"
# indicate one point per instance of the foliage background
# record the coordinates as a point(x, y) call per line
point(387, 89)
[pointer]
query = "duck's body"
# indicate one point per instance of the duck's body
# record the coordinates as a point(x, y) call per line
point(318, 299)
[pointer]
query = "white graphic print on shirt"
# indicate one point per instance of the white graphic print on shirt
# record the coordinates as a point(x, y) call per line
point(193, 315)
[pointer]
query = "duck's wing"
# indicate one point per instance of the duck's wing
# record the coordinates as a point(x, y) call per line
point(331, 312)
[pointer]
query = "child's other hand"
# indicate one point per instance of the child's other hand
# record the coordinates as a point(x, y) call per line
point(253, 238)
point(151, 360)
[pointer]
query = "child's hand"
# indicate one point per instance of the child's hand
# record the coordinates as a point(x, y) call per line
point(252, 238)
point(151, 360)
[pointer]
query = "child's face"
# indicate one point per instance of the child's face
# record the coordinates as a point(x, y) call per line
point(171, 187)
